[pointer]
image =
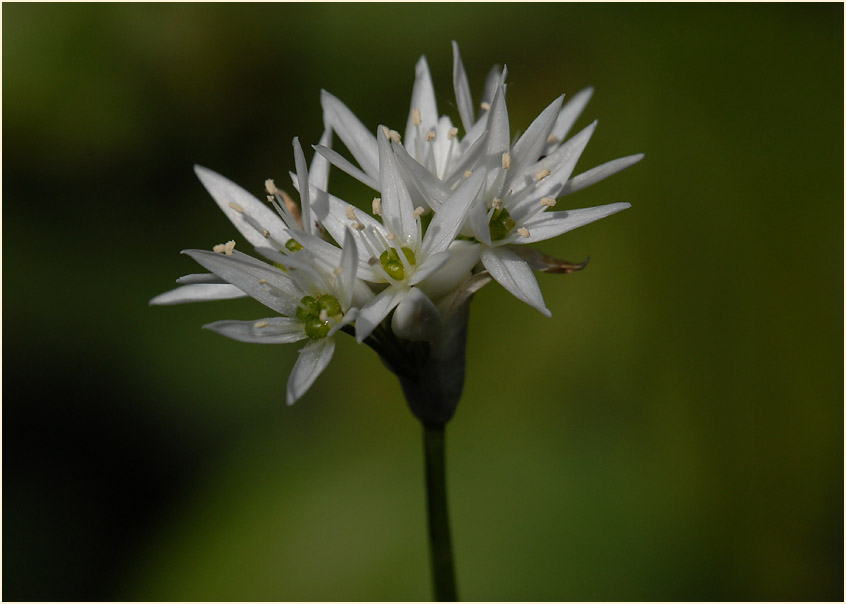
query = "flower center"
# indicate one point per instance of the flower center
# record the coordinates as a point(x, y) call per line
point(393, 265)
point(316, 312)
point(501, 223)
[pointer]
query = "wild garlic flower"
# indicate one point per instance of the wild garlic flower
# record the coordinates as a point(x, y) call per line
point(311, 284)
point(522, 180)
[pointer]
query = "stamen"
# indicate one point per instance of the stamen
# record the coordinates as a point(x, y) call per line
point(418, 212)
point(468, 173)
point(415, 117)
point(229, 248)
point(293, 208)
point(506, 161)
point(430, 136)
point(549, 202)
point(358, 226)
point(391, 236)
point(218, 249)
point(552, 139)
point(261, 324)
point(236, 207)
point(386, 131)
point(395, 136)
point(452, 133)
point(485, 106)
point(377, 206)
point(496, 203)
point(337, 271)
point(542, 174)
point(265, 233)
point(270, 186)
point(262, 281)
point(523, 231)
point(351, 212)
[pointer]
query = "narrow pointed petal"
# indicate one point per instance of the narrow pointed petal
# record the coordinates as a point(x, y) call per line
point(332, 214)
point(432, 190)
point(345, 281)
point(499, 139)
point(318, 172)
point(302, 182)
point(428, 267)
point(449, 220)
point(514, 274)
point(462, 90)
point(360, 142)
point(312, 361)
point(491, 83)
point(260, 281)
point(372, 313)
point(226, 192)
point(198, 292)
point(340, 162)
point(416, 319)
point(530, 146)
point(422, 99)
point(477, 221)
point(397, 209)
point(463, 256)
point(199, 278)
point(552, 224)
point(601, 172)
point(567, 117)
point(275, 330)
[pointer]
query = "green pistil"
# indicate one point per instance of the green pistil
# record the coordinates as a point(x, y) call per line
point(392, 264)
point(316, 312)
point(501, 224)
point(293, 245)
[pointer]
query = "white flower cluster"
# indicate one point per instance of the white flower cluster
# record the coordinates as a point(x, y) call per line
point(452, 212)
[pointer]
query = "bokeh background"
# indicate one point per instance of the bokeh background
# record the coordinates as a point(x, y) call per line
point(674, 432)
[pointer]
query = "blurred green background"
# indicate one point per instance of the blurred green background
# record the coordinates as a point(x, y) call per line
point(674, 432)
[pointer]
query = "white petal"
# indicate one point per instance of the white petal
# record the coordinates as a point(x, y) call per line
point(277, 291)
point(462, 89)
point(372, 313)
point(198, 292)
point(340, 162)
point(529, 147)
point(303, 186)
point(432, 190)
point(312, 361)
point(226, 192)
point(360, 142)
point(514, 274)
point(477, 221)
point(332, 214)
point(345, 282)
point(601, 172)
point(463, 256)
point(416, 319)
point(397, 209)
point(428, 266)
point(275, 330)
point(499, 138)
point(199, 278)
point(491, 83)
point(552, 224)
point(450, 217)
point(318, 172)
point(568, 116)
point(423, 99)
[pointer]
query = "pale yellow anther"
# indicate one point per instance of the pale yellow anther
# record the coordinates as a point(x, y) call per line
point(549, 202)
point(358, 226)
point(418, 212)
point(236, 207)
point(542, 174)
point(452, 133)
point(506, 161)
point(337, 271)
point(391, 236)
point(229, 248)
point(351, 212)
point(468, 173)
point(265, 233)
point(261, 324)
point(523, 232)
point(387, 131)
point(415, 117)
point(552, 139)
point(219, 248)
point(496, 203)
point(430, 136)
point(485, 106)
point(377, 206)
point(395, 136)
point(262, 281)
point(270, 186)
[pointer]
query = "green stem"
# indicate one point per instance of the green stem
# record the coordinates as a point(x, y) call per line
point(443, 573)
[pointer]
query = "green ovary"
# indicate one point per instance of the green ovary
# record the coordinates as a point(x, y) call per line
point(392, 264)
point(501, 224)
point(316, 312)
point(292, 245)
